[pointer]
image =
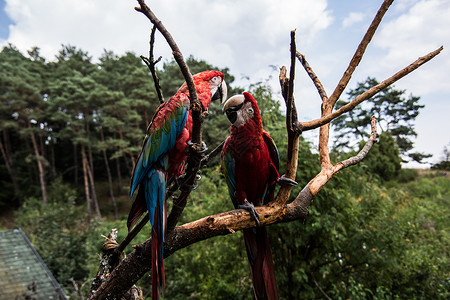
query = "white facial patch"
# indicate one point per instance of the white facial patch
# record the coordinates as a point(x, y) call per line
point(244, 114)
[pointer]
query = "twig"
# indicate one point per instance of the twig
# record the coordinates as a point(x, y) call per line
point(319, 287)
point(212, 154)
point(195, 103)
point(313, 76)
point(291, 116)
point(152, 69)
point(151, 63)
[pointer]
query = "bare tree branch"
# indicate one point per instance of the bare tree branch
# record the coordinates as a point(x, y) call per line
point(151, 63)
point(293, 131)
point(313, 76)
point(359, 52)
point(372, 91)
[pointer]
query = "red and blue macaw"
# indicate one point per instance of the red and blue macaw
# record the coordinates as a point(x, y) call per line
point(163, 158)
point(250, 163)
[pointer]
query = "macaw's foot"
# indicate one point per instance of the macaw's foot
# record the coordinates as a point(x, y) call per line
point(195, 148)
point(251, 209)
point(284, 181)
point(182, 182)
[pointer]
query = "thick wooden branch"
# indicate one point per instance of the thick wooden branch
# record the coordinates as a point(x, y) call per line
point(359, 52)
point(195, 157)
point(372, 91)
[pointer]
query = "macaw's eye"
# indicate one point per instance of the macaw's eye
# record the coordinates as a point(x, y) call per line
point(250, 110)
point(216, 79)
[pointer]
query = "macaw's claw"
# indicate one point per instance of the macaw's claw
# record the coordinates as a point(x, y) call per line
point(284, 181)
point(194, 148)
point(251, 209)
point(182, 183)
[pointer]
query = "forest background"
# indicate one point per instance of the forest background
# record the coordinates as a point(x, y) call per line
point(71, 130)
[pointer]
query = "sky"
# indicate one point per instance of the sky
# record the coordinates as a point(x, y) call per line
point(252, 39)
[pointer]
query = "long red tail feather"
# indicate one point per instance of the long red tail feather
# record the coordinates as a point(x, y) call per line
point(261, 264)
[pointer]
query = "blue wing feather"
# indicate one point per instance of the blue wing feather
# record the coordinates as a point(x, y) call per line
point(273, 150)
point(229, 172)
point(158, 142)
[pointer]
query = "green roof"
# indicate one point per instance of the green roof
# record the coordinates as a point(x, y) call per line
point(23, 274)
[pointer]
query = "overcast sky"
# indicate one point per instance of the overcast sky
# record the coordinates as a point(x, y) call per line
point(252, 39)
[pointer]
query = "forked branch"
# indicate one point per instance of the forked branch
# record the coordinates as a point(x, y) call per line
point(309, 125)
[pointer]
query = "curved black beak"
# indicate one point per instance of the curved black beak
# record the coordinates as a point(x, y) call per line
point(231, 115)
point(218, 94)
point(232, 112)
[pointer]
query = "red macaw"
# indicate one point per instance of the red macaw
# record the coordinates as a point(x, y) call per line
point(250, 163)
point(163, 158)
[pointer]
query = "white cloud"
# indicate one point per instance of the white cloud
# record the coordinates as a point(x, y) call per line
point(249, 36)
point(419, 30)
point(353, 18)
point(246, 36)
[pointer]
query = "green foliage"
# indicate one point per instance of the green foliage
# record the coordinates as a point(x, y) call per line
point(59, 232)
point(383, 159)
point(215, 268)
point(407, 175)
point(365, 241)
point(373, 232)
point(395, 114)
point(444, 164)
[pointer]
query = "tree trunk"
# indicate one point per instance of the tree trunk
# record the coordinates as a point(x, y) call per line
point(92, 184)
point(110, 182)
point(40, 166)
point(10, 172)
point(119, 175)
point(75, 164)
point(86, 182)
point(52, 158)
point(129, 153)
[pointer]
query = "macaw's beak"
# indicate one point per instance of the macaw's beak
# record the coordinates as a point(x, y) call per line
point(232, 106)
point(221, 93)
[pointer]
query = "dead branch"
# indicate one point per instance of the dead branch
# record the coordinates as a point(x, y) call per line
point(372, 91)
point(313, 76)
point(151, 63)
